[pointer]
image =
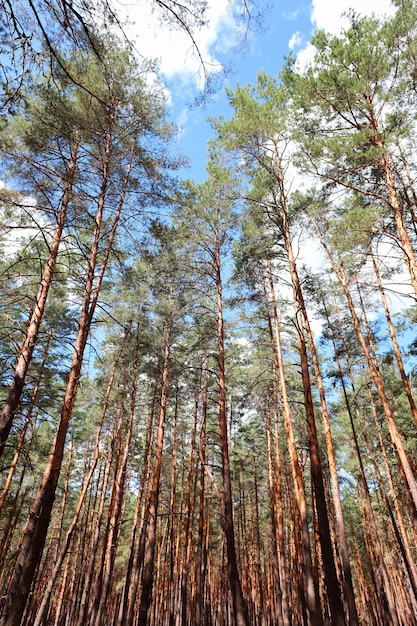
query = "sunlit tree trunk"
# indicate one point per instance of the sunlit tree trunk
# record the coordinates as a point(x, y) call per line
point(35, 531)
point(380, 576)
point(312, 600)
point(397, 523)
point(152, 508)
point(410, 482)
point(188, 521)
point(136, 557)
point(89, 582)
point(201, 612)
point(239, 606)
point(32, 330)
point(277, 524)
point(70, 532)
point(22, 437)
point(393, 335)
point(330, 574)
point(403, 235)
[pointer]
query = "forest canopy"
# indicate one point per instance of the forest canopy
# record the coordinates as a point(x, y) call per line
point(197, 428)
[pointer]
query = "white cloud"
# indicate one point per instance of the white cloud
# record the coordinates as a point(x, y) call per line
point(295, 40)
point(305, 56)
point(328, 15)
point(291, 15)
point(172, 46)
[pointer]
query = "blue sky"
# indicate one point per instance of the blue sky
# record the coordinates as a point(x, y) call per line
point(287, 25)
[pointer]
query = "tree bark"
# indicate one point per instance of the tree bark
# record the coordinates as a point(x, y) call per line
point(35, 531)
point(152, 508)
point(239, 605)
point(410, 482)
point(404, 377)
point(330, 574)
point(34, 323)
point(312, 600)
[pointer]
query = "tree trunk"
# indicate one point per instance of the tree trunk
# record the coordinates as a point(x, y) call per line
point(35, 532)
point(200, 615)
point(89, 588)
point(239, 606)
point(25, 428)
point(312, 600)
point(385, 600)
point(141, 504)
point(152, 508)
point(34, 323)
point(403, 236)
point(410, 482)
point(188, 521)
point(404, 377)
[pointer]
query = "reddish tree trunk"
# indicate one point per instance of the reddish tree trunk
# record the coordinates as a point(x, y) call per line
point(311, 597)
point(410, 483)
point(239, 606)
point(34, 323)
point(152, 509)
point(35, 531)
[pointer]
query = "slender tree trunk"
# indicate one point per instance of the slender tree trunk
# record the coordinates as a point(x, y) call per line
point(348, 584)
point(331, 458)
point(65, 547)
point(200, 615)
point(407, 187)
point(397, 524)
point(142, 504)
point(34, 534)
point(274, 476)
point(61, 596)
point(396, 206)
point(117, 498)
point(115, 513)
point(275, 502)
point(410, 482)
point(152, 509)
point(239, 606)
point(171, 543)
point(385, 600)
point(25, 428)
point(404, 377)
point(12, 522)
point(188, 521)
point(330, 574)
point(34, 323)
point(89, 584)
point(384, 606)
point(312, 600)
point(279, 474)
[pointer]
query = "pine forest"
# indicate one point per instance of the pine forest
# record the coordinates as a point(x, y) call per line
point(197, 428)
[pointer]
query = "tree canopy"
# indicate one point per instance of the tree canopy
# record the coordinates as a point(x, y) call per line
point(199, 424)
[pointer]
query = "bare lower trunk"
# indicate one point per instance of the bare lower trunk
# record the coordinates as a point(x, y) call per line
point(381, 581)
point(24, 430)
point(330, 574)
point(141, 505)
point(201, 556)
point(152, 509)
point(347, 582)
point(312, 600)
point(239, 605)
